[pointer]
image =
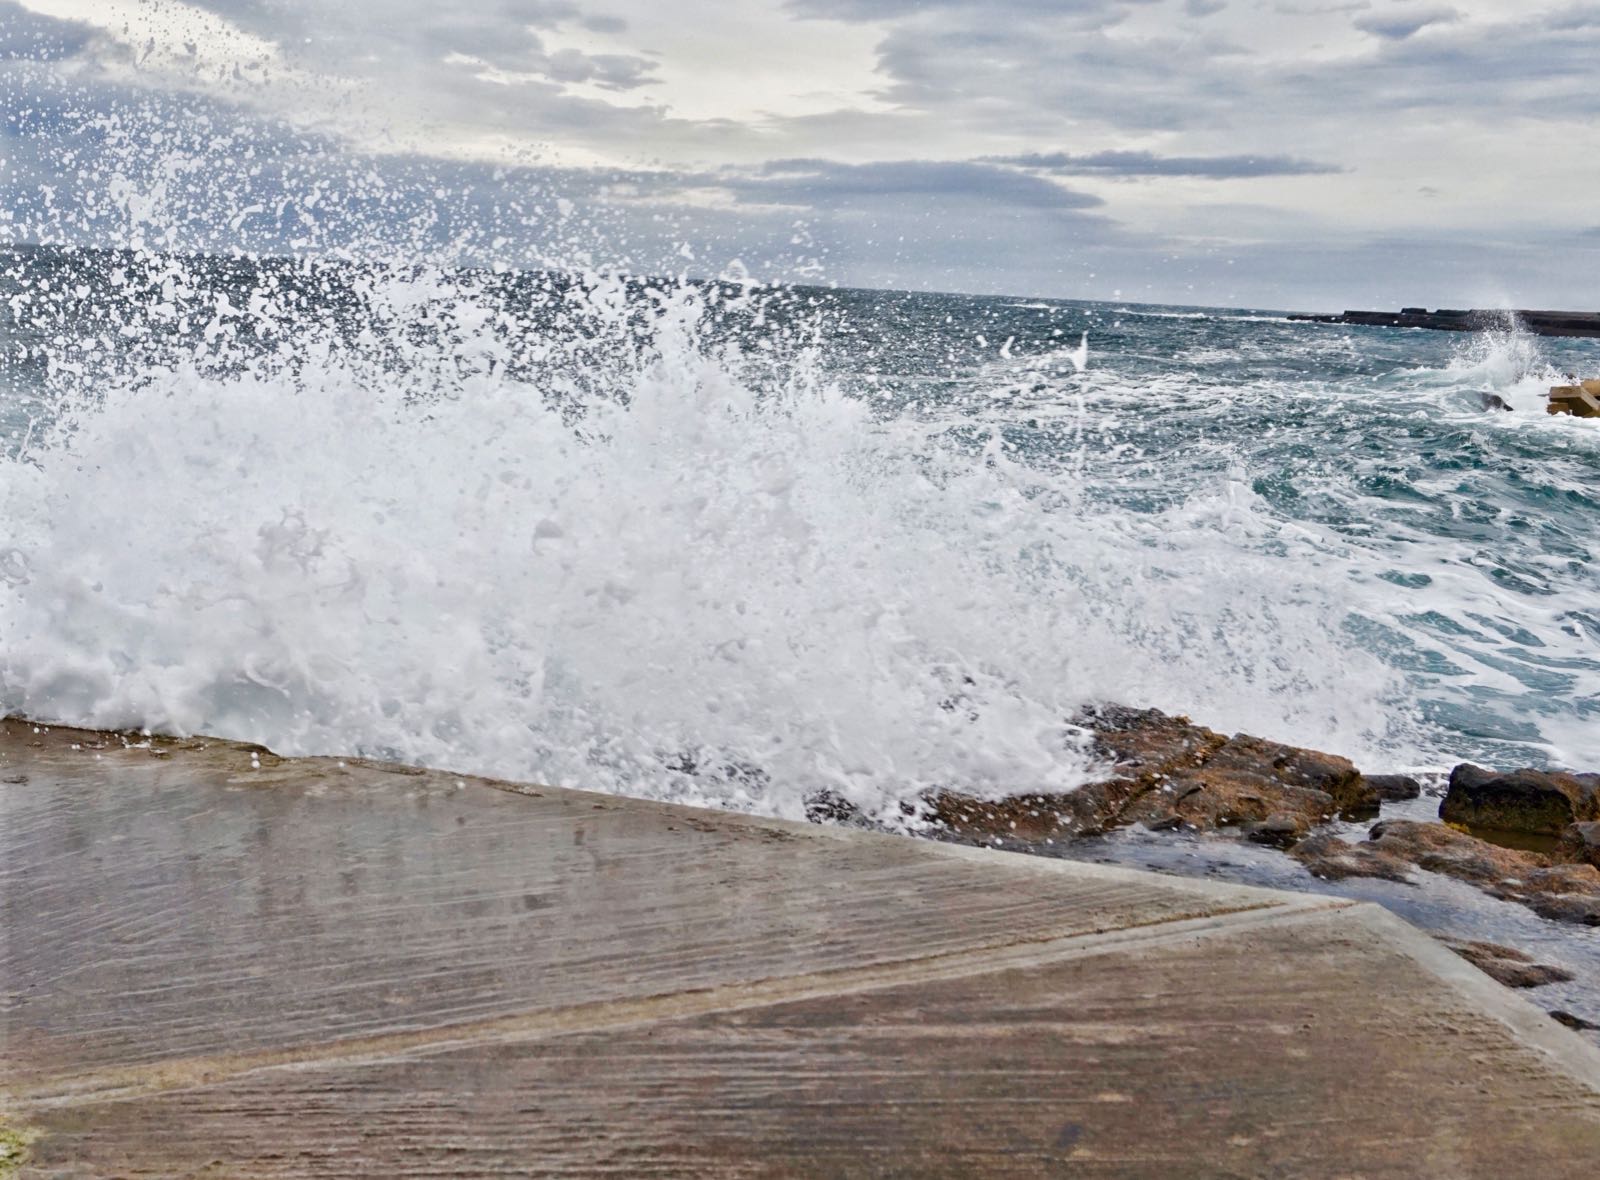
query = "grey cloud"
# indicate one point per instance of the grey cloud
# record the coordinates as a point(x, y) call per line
point(1398, 25)
point(824, 182)
point(416, 36)
point(613, 71)
point(270, 188)
point(1578, 16)
point(1537, 71)
point(1133, 163)
point(27, 36)
point(877, 10)
point(1201, 8)
point(1026, 77)
point(1038, 76)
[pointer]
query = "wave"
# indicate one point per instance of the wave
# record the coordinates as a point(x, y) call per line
point(593, 535)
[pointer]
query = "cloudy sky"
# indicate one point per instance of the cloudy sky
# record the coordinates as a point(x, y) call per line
point(1273, 153)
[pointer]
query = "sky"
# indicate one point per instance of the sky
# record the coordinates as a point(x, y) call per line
point(1286, 154)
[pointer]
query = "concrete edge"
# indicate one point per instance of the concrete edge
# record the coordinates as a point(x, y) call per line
point(1246, 895)
point(1251, 895)
point(1531, 1025)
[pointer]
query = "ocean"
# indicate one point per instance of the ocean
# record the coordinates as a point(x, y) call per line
point(738, 545)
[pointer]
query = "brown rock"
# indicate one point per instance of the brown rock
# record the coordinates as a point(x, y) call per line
point(1577, 1023)
point(1507, 964)
point(1280, 830)
point(1581, 843)
point(1528, 801)
point(1442, 849)
point(1165, 772)
point(1142, 748)
point(1029, 819)
point(1333, 859)
point(1394, 788)
point(1562, 892)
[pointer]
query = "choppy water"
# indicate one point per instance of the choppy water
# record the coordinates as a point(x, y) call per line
point(734, 546)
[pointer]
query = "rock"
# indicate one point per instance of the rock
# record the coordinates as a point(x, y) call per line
point(1573, 1022)
point(1507, 964)
point(828, 807)
point(1142, 749)
point(1024, 819)
point(1280, 830)
point(1246, 781)
point(1442, 849)
point(1394, 788)
point(1165, 824)
point(1561, 892)
point(1165, 772)
point(1581, 843)
point(1493, 401)
point(1553, 896)
point(1333, 859)
point(1527, 801)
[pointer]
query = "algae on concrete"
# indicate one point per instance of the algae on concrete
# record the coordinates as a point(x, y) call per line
point(13, 1149)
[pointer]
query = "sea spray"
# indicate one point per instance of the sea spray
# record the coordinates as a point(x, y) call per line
point(352, 454)
point(630, 536)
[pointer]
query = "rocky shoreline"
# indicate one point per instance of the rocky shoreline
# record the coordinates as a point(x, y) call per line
point(1528, 837)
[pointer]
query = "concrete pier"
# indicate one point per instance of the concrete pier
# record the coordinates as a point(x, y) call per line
point(217, 963)
point(1539, 323)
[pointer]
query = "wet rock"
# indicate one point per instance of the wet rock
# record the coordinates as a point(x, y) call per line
point(1552, 897)
point(1526, 801)
point(1442, 849)
point(1394, 788)
point(1333, 859)
point(1142, 749)
point(828, 807)
point(1573, 1022)
point(1280, 830)
point(1025, 819)
point(1285, 768)
point(1507, 964)
point(1244, 782)
point(1580, 843)
point(1165, 772)
point(1562, 892)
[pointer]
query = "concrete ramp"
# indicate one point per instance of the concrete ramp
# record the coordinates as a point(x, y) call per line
point(217, 963)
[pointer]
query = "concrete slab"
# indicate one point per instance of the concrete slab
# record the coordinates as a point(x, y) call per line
point(216, 962)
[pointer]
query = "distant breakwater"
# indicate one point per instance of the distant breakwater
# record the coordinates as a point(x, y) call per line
point(1540, 323)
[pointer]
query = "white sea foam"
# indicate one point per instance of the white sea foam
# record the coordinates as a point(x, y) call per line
point(645, 564)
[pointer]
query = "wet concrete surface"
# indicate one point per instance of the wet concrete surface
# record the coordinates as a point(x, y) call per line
point(219, 963)
point(1439, 905)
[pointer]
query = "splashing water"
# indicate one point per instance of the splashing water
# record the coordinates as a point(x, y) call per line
point(735, 545)
point(574, 532)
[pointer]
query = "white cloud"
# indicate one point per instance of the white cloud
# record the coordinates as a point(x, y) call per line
point(1335, 121)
